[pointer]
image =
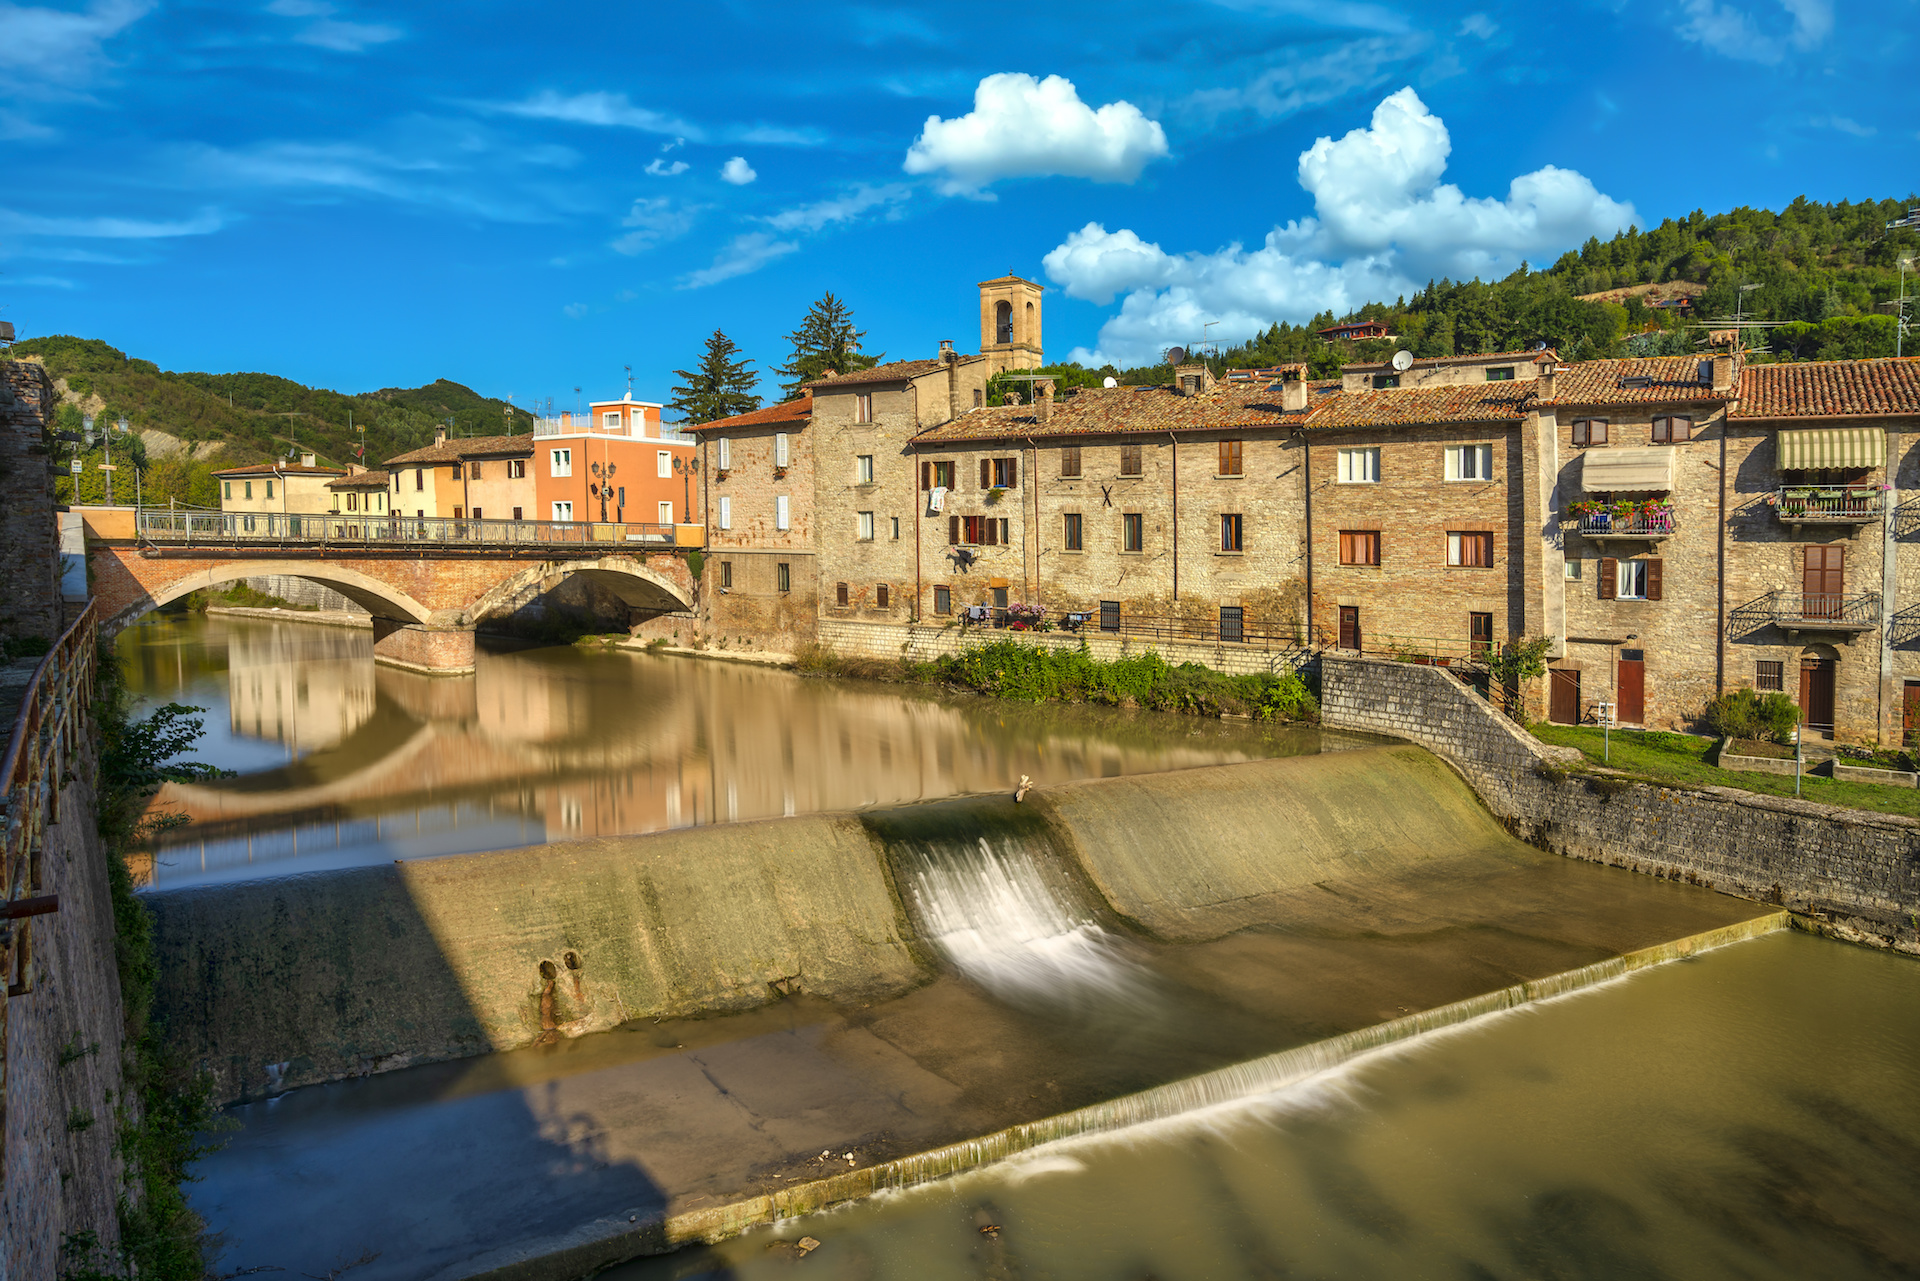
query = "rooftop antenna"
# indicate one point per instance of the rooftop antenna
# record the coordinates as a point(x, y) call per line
point(1402, 361)
point(629, 369)
point(576, 402)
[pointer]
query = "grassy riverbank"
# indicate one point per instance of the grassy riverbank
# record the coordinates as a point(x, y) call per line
point(1037, 674)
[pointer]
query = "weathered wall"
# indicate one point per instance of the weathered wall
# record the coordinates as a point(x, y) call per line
point(1857, 870)
point(922, 642)
point(30, 589)
point(63, 1055)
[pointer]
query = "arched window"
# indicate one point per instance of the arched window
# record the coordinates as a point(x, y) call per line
point(1003, 322)
point(1028, 332)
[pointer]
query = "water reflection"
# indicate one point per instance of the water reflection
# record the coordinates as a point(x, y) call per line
point(344, 763)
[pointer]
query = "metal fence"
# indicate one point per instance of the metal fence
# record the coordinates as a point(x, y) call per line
point(1860, 610)
point(189, 529)
point(1643, 523)
point(1838, 503)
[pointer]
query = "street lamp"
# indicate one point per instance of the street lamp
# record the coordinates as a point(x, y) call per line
point(686, 467)
point(604, 489)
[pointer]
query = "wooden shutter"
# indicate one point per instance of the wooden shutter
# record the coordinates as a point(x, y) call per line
point(991, 534)
point(840, 593)
point(1653, 579)
point(953, 531)
point(986, 473)
point(1609, 577)
point(1013, 472)
point(926, 475)
point(880, 596)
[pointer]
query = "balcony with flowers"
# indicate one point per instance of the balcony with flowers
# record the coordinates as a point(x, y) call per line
point(1645, 520)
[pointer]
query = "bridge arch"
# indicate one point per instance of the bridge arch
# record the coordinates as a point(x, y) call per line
point(639, 586)
point(380, 599)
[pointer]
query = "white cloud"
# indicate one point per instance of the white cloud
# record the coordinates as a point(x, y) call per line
point(1301, 83)
point(1735, 33)
point(653, 222)
point(742, 255)
point(1844, 125)
point(661, 169)
point(737, 171)
point(607, 109)
point(574, 310)
point(1385, 223)
point(1022, 127)
point(1478, 24)
point(61, 44)
point(330, 33)
point(15, 223)
point(839, 209)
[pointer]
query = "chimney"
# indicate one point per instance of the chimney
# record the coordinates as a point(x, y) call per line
point(1723, 371)
point(306, 460)
point(440, 434)
point(1045, 401)
point(1543, 385)
point(947, 353)
point(1293, 395)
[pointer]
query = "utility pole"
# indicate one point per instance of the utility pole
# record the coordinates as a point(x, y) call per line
point(1900, 316)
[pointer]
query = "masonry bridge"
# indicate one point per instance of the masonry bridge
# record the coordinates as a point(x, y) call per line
point(427, 583)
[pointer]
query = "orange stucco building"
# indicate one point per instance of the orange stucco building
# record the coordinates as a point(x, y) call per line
point(613, 464)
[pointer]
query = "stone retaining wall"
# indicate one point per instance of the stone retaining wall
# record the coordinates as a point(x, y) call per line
point(920, 642)
point(1855, 872)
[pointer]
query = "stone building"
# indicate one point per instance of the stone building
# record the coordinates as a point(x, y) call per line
point(1010, 324)
point(30, 600)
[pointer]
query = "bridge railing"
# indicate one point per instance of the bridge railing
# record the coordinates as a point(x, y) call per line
point(360, 529)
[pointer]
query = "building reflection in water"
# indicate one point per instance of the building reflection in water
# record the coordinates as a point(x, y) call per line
point(366, 764)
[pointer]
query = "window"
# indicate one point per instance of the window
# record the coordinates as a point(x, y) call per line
point(1070, 535)
point(1469, 462)
point(1133, 532)
point(723, 448)
point(227, 489)
point(726, 575)
point(516, 512)
point(1571, 571)
point(353, 502)
point(981, 531)
point(880, 596)
point(840, 594)
point(420, 476)
point(666, 513)
point(863, 522)
point(453, 472)
point(1471, 550)
point(475, 513)
point(560, 463)
point(473, 471)
point(457, 513)
point(1230, 532)
point(1500, 374)
point(726, 512)
point(1359, 547)
point(779, 449)
point(1109, 615)
point(1070, 461)
point(1672, 429)
point(269, 489)
point(1233, 624)
point(1359, 466)
point(943, 600)
point(516, 469)
point(1230, 457)
point(863, 407)
point(1129, 460)
point(979, 397)
point(1006, 473)
point(610, 418)
point(1479, 635)
point(1769, 677)
point(1589, 431)
point(1385, 382)
point(622, 499)
point(782, 577)
point(937, 475)
point(863, 469)
point(664, 461)
point(894, 521)
point(780, 515)
point(1630, 579)
point(249, 485)
point(563, 511)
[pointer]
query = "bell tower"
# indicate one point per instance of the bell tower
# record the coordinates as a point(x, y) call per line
point(1010, 323)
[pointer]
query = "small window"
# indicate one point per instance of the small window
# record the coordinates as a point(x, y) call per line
point(1589, 431)
point(1006, 473)
point(666, 513)
point(979, 397)
point(1231, 458)
point(561, 461)
point(1474, 550)
point(943, 600)
point(1070, 461)
point(610, 419)
point(1769, 677)
point(726, 575)
point(1500, 374)
point(1671, 429)
point(622, 500)
point(516, 469)
point(1230, 532)
point(453, 472)
point(941, 475)
point(1109, 615)
point(1233, 624)
point(840, 594)
point(249, 485)
point(782, 577)
point(1133, 536)
point(563, 511)
point(864, 524)
point(1070, 534)
point(1635, 580)
point(1385, 382)
point(779, 449)
point(1359, 547)
point(1359, 466)
point(863, 407)
point(780, 519)
point(726, 511)
point(894, 522)
point(1470, 462)
point(227, 490)
point(664, 461)
point(1571, 570)
point(863, 469)
point(420, 475)
point(723, 449)
point(880, 596)
point(473, 471)
point(1129, 460)
point(516, 511)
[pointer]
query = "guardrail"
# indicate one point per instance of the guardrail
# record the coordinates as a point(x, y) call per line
point(1840, 504)
point(1190, 631)
point(190, 529)
point(1817, 611)
point(1646, 523)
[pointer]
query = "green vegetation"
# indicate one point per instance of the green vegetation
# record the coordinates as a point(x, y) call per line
point(826, 342)
point(1742, 713)
point(166, 1112)
point(1682, 760)
point(235, 595)
point(1065, 378)
point(721, 387)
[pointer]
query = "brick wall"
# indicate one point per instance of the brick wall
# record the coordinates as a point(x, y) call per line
point(1856, 873)
point(29, 535)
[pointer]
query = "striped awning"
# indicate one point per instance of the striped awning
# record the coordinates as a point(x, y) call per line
point(1833, 447)
point(1626, 470)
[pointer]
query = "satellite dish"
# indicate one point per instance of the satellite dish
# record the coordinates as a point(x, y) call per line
point(1403, 360)
point(1111, 382)
point(1175, 355)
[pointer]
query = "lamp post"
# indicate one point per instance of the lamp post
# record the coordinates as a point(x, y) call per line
point(1900, 317)
point(122, 425)
point(603, 488)
point(686, 467)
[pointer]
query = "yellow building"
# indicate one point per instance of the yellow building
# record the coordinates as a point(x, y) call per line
point(274, 489)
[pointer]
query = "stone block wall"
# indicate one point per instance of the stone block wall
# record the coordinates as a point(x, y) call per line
point(29, 535)
point(304, 591)
point(1855, 872)
point(919, 643)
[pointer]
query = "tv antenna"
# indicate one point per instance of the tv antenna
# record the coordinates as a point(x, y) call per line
point(1402, 361)
point(629, 369)
point(1176, 355)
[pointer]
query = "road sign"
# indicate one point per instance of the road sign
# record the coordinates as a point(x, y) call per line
point(78, 467)
point(106, 467)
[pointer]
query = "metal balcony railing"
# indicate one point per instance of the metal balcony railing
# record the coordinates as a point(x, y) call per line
point(190, 529)
point(1837, 505)
point(1655, 522)
point(1818, 611)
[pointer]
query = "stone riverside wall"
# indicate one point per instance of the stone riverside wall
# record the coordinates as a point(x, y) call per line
point(919, 642)
point(1854, 872)
point(29, 535)
point(304, 591)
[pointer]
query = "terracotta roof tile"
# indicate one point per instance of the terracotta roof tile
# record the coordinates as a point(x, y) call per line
point(798, 410)
point(1464, 403)
point(1830, 389)
point(361, 480)
point(1116, 411)
point(278, 469)
point(1515, 356)
point(892, 372)
point(1619, 382)
point(459, 447)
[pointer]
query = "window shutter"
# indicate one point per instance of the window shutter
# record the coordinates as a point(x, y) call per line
point(1653, 579)
point(986, 473)
point(926, 475)
point(1013, 472)
point(953, 531)
point(992, 532)
point(1609, 577)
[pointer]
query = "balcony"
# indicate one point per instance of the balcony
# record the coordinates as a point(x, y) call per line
point(1642, 522)
point(1853, 505)
point(1797, 612)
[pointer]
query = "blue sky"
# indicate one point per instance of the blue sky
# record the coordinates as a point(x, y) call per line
point(528, 198)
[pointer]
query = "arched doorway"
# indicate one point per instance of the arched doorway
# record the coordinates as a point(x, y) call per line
point(1819, 673)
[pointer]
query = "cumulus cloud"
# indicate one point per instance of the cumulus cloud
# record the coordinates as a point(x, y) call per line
point(743, 254)
point(661, 169)
point(1736, 33)
point(1021, 127)
point(1384, 224)
point(738, 172)
point(653, 222)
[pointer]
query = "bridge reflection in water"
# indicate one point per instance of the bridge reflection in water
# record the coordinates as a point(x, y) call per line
point(343, 763)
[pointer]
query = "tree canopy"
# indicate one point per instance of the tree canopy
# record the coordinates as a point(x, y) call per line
point(720, 388)
point(826, 342)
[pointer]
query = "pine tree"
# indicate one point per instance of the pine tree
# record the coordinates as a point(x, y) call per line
point(826, 342)
point(720, 388)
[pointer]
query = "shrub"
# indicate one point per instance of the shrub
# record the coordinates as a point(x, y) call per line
point(1008, 669)
point(1742, 713)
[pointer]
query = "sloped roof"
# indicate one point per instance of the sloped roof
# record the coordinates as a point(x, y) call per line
point(1117, 411)
point(1462, 403)
point(891, 372)
point(1830, 389)
point(458, 448)
point(1429, 361)
point(798, 410)
point(279, 469)
point(360, 480)
point(1615, 382)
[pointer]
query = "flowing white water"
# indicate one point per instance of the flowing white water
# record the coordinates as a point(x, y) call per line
point(990, 910)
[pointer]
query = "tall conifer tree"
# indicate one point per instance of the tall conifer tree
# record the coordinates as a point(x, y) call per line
point(826, 342)
point(720, 388)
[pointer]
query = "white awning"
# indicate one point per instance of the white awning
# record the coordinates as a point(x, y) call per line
point(1604, 470)
point(1834, 447)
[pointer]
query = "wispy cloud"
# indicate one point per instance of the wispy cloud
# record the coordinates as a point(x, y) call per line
point(652, 222)
point(821, 213)
point(1844, 125)
point(328, 32)
point(615, 111)
point(1734, 32)
point(1302, 83)
point(1478, 25)
point(742, 255)
point(13, 222)
point(57, 43)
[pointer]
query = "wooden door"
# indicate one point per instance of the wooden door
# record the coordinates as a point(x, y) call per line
point(1910, 711)
point(1349, 627)
point(1479, 634)
point(1816, 692)
point(1823, 581)
point(1631, 699)
point(1563, 695)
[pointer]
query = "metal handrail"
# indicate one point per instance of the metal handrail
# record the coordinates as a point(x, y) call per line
point(1191, 631)
point(1858, 609)
point(1834, 502)
point(1658, 520)
point(327, 529)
